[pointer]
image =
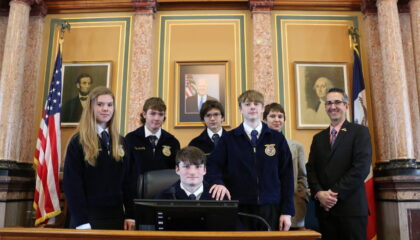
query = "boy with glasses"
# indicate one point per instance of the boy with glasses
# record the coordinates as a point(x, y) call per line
point(212, 114)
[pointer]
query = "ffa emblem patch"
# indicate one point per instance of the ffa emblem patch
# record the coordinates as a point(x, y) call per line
point(270, 149)
point(121, 152)
point(166, 150)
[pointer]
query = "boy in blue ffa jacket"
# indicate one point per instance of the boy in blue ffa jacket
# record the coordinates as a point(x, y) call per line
point(212, 114)
point(191, 168)
point(150, 147)
point(253, 164)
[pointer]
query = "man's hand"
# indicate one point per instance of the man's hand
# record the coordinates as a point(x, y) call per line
point(327, 199)
point(129, 224)
point(285, 222)
point(218, 192)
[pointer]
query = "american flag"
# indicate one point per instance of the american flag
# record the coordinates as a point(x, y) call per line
point(189, 86)
point(48, 154)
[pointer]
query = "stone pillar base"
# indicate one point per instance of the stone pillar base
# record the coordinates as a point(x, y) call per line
point(397, 185)
point(17, 183)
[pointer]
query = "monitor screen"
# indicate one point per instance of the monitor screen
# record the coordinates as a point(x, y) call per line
point(185, 215)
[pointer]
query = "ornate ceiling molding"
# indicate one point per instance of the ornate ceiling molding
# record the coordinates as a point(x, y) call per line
point(328, 5)
point(76, 6)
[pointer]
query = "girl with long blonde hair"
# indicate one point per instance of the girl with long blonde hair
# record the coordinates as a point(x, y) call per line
point(96, 171)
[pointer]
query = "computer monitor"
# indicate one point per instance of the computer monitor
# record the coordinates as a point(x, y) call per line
point(185, 215)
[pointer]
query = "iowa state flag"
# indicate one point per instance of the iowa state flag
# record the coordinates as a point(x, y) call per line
point(360, 117)
point(48, 153)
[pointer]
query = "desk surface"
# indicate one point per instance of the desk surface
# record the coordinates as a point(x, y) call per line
point(63, 234)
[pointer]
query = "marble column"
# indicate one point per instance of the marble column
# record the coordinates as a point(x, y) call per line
point(390, 52)
point(410, 68)
point(262, 52)
point(11, 79)
point(377, 82)
point(18, 79)
point(141, 82)
point(414, 6)
point(31, 74)
point(399, 129)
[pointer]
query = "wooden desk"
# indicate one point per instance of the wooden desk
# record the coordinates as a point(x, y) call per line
point(68, 234)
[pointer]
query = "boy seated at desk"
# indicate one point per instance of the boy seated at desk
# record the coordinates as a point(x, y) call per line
point(191, 168)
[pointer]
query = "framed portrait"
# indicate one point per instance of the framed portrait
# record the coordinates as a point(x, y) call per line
point(197, 82)
point(78, 79)
point(313, 80)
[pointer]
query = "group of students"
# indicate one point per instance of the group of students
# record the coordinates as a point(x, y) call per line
point(253, 163)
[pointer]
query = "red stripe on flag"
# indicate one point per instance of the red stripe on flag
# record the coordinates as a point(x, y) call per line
point(43, 174)
point(54, 150)
point(370, 193)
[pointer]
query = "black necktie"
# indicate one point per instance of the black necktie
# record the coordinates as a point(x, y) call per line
point(192, 197)
point(215, 139)
point(254, 134)
point(105, 139)
point(152, 139)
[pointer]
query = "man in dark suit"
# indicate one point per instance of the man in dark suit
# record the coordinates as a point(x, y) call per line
point(193, 104)
point(72, 109)
point(339, 162)
point(212, 114)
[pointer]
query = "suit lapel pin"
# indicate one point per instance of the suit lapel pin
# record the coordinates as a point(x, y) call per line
point(344, 129)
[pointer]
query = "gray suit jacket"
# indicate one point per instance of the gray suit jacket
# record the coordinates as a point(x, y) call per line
point(300, 183)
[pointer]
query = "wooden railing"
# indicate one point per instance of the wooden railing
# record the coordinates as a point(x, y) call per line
point(70, 234)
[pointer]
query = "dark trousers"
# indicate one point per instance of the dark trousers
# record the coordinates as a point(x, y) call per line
point(311, 221)
point(342, 227)
point(269, 212)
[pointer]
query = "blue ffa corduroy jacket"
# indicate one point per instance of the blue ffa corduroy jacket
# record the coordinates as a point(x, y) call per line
point(144, 158)
point(87, 187)
point(176, 192)
point(204, 142)
point(263, 176)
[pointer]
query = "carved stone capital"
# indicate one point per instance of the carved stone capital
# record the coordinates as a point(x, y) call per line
point(403, 6)
point(261, 5)
point(145, 6)
point(369, 7)
point(39, 9)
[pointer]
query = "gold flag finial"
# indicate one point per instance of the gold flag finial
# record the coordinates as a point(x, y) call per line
point(354, 34)
point(64, 26)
